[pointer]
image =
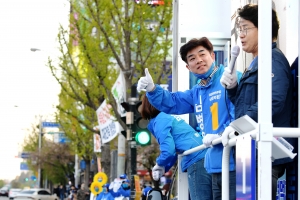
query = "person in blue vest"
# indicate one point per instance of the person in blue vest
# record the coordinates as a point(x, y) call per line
point(175, 136)
point(207, 100)
point(244, 94)
point(124, 190)
point(105, 194)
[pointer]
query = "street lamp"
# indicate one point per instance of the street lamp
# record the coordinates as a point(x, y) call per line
point(34, 49)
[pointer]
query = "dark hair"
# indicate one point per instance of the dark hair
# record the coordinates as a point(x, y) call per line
point(250, 12)
point(147, 110)
point(193, 43)
point(107, 186)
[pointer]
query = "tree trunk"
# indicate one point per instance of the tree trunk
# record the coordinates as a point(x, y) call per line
point(105, 160)
point(87, 173)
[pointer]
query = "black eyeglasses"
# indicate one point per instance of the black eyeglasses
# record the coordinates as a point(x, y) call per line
point(239, 31)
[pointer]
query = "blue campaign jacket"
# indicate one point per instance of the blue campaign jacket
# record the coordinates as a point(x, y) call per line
point(174, 135)
point(121, 192)
point(213, 111)
point(105, 196)
point(245, 95)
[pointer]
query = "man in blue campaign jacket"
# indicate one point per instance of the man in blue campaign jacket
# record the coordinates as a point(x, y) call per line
point(124, 190)
point(174, 136)
point(207, 100)
point(105, 194)
point(244, 94)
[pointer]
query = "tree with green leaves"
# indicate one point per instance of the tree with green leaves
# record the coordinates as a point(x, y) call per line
point(106, 38)
point(2, 183)
point(56, 160)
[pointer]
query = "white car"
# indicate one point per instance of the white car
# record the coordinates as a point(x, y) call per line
point(35, 194)
point(13, 192)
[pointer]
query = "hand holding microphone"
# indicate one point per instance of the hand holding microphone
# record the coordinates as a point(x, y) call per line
point(229, 78)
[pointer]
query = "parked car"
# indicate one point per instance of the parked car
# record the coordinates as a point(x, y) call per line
point(4, 191)
point(13, 192)
point(35, 194)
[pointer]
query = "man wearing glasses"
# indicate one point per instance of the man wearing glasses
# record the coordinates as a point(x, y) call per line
point(245, 93)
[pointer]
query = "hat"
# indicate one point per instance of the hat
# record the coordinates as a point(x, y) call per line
point(126, 181)
point(106, 185)
point(123, 176)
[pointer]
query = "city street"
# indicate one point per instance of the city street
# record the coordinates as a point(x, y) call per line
point(3, 198)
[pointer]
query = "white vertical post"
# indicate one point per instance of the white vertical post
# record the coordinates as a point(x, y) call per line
point(175, 46)
point(121, 155)
point(76, 171)
point(40, 146)
point(264, 138)
point(182, 183)
point(298, 96)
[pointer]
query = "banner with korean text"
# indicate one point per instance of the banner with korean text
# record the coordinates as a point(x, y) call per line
point(109, 127)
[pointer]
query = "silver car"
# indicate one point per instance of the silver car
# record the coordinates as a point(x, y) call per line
point(35, 194)
point(13, 192)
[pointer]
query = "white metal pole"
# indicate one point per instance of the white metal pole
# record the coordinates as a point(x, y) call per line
point(298, 95)
point(40, 146)
point(76, 171)
point(175, 46)
point(182, 182)
point(265, 136)
point(121, 154)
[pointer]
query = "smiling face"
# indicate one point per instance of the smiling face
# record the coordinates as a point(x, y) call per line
point(249, 38)
point(199, 60)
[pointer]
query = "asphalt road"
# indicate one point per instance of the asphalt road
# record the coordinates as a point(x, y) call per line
point(3, 198)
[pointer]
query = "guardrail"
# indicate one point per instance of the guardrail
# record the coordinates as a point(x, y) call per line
point(278, 151)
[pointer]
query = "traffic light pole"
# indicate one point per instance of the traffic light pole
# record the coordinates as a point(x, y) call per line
point(133, 167)
point(133, 157)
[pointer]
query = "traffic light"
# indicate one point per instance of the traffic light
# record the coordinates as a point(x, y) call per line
point(142, 135)
point(143, 138)
point(26, 179)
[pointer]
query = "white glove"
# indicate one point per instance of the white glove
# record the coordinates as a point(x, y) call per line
point(157, 172)
point(145, 82)
point(228, 79)
point(225, 135)
point(208, 138)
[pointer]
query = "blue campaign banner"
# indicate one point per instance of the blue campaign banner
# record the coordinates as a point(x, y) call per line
point(23, 166)
point(245, 168)
point(82, 165)
point(50, 124)
point(292, 178)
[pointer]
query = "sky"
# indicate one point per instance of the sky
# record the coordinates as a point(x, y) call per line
point(26, 85)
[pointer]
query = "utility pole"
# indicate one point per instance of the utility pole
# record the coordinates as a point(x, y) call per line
point(40, 146)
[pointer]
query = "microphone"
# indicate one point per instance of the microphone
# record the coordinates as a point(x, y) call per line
point(235, 51)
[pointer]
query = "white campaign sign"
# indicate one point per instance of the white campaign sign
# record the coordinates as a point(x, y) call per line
point(118, 91)
point(109, 127)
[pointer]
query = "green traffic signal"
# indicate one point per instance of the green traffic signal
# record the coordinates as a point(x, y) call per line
point(26, 179)
point(143, 138)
